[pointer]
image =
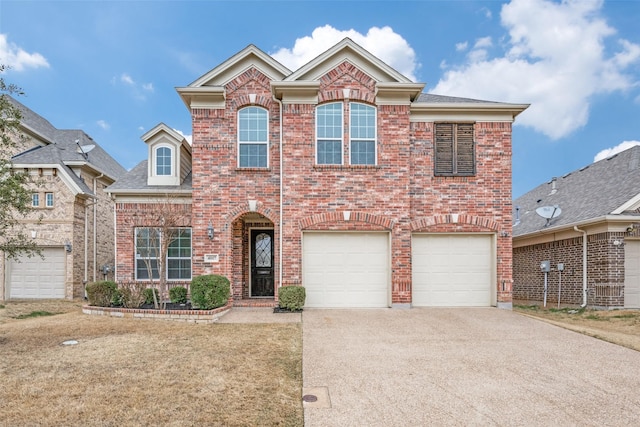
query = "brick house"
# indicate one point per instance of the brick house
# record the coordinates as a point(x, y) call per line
point(592, 246)
point(341, 176)
point(71, 218)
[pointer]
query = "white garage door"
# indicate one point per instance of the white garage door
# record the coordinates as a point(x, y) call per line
point(632, 274)
point(452, 270)
point(37, 278)
point(347, 269)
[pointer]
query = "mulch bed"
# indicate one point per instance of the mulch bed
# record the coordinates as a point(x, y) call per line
point(285, 310)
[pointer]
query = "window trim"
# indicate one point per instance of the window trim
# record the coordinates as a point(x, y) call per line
point(46, 200)
point(239, 143)
point(455, 154)
point(375, 135)
point(341, 139)
point(156, 163)
point(138, 258)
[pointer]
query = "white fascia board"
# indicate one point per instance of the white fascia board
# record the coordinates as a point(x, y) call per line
point(465, 111)
point(354, 53)
point(62, 173)
point(35, 133)
point(222, 71)
point(203, 97)
point(620, 220)
point(630, 204)
point(138, 197)
point(303, 92)
point(397, 93)
point(88, 165)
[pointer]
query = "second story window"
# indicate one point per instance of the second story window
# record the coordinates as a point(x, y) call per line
point(48, 200)
point(329, 134)
point(35, 200)
point(253, 138)
point(163, 161)
point(454, 149)
point(363, 134)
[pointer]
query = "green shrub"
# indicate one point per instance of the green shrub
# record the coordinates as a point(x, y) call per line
point(116, 299)
point(101, 294)
point(132, 294)
point(209, 291)
point(148, 295)
point(291, 297)
point(178, 295)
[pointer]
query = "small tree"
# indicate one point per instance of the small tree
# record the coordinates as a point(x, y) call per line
point(15, 198)
point(159, 230)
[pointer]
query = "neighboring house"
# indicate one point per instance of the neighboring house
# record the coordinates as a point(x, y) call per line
point(341, 176)
point(72, 219)
point(601, 202)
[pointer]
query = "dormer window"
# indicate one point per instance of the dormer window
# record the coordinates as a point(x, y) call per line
point(163, 161)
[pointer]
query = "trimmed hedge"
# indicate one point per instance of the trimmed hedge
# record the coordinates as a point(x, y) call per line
point(209, 291)
point(178, 295)
point(102, 294)
point(292, 297)
point(148, 295)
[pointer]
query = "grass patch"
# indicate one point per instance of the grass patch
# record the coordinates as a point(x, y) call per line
point(527, 307)
point(625, 316)
point(34, 314)
point(150, 372)
point(1, 306)
point(596, 317)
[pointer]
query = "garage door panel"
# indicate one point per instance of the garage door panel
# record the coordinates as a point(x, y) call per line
point(451, 270)
point(346, 269)
point(37, 278)
point(632, 274)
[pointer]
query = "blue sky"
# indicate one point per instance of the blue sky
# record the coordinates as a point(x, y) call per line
point(111, 67)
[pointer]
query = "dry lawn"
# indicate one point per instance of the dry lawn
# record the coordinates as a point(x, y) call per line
point(134, 372)
point(620, 327)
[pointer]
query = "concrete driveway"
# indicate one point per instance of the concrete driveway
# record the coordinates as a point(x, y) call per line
point(384, 367)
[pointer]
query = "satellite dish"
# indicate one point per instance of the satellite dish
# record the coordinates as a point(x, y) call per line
point(84, 149)
point(549, 212)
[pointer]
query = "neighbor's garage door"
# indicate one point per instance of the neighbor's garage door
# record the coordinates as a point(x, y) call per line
point(346, 269)
point(452, 270)
point(632, 274)
point(37, 278)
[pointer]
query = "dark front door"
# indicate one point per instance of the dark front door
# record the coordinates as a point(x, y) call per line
point(261, 263)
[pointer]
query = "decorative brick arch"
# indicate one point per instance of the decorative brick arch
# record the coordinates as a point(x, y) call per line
point(244, 208)
point(426, 223)
point(341, 217)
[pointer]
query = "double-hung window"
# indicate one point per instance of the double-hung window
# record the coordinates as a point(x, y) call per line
point(148, 241)
point(48, 200)
point(163, 161)
point(454, 149)
point(330, 134)
point(362, 134)
point(253, 138)
point(35, 200)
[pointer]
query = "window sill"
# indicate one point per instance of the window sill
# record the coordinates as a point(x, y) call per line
point(263, 170)
point(347, 167)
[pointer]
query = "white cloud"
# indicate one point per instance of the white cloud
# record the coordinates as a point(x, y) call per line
point(189, 138)
point(608, 152)
point(381, 42)
point(462, 46)
point(137, 89)
point(17, 58)
point(126, 78)
point(555, 59)
point(103, 124)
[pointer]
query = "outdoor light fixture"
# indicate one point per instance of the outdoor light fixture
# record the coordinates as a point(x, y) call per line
point(210, 231)
point(67, 246)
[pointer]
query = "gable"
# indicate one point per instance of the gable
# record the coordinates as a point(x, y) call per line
point(169, 156)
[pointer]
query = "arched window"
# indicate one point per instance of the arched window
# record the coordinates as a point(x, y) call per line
point(362, 132)
point(163, 161)
point(253, 138)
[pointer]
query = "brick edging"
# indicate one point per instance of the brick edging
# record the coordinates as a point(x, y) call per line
point(190, 316)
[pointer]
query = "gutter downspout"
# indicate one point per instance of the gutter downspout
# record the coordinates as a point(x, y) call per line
point(584, 265)
point(95, 225)
point(281, 196)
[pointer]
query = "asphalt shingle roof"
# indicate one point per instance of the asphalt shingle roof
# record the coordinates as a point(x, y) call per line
point(62, 147)
point(590, 192)
point(136, 179)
